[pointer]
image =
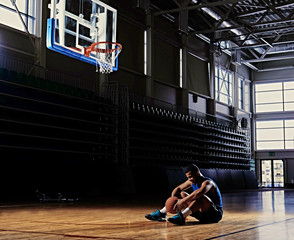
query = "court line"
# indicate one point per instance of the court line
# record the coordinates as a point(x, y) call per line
point(248, 229)
point(62, 234)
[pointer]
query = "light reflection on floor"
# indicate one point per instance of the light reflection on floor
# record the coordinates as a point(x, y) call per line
point(271, 214)
point(247, 215)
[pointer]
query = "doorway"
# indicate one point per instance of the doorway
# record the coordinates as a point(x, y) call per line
point(272, 173)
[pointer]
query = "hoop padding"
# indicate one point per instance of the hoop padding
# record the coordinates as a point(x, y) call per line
point(105, 54)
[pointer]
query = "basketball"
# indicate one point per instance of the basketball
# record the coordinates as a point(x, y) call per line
point(170, 203)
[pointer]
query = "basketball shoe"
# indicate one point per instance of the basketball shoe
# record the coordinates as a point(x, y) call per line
point(177, 219)
point(156, 216)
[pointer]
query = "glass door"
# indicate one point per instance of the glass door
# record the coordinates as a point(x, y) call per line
point(278, 173)
point(266, 173)
point(272, 173)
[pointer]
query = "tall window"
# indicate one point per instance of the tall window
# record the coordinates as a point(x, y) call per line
point(28, 9)
point(181, 68)
point(241, 89)
point(145, 52)
point(223, 85)
point(243, 93)
point(274, 97)
point(275, 134)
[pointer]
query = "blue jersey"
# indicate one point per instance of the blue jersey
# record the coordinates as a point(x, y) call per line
point(216, 197)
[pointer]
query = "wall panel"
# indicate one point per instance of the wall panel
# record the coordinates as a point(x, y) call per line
point(197, 75)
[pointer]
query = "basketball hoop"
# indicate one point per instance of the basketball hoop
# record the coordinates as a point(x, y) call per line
point(105, 53)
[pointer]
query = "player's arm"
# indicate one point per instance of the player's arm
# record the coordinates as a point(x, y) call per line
point(205, 187)
point(181, 187)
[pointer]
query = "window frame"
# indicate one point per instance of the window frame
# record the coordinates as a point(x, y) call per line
point(282, 104)
point(224, 78)
point(31, 16)
point(284, 127)
point(244, 89)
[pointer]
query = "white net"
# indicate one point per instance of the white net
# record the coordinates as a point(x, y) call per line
point(106, 54)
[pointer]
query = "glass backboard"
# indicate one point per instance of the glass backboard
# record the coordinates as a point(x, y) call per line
point(76, 24)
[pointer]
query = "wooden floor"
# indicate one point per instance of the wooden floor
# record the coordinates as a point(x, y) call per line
point(247, 215)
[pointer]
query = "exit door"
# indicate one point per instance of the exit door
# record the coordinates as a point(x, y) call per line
point(272, 173)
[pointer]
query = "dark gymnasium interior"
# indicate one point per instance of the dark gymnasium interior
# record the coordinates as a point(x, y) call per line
point(66, 129)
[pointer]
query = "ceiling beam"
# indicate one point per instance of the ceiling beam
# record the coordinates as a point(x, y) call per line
point(271, 46)
point(274, 9)
point(287, 20)
point(277, 58)
point(254, 12)
point(259, 45)
point(197, 6)
point(253, 53)
point(266, 30)
point(226, 15)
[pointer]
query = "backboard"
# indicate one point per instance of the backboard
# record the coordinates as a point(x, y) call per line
point(76, 24)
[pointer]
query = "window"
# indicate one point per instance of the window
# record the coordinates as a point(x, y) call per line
point(145, 52)
point(243, 94)
point(275, 134)
point(28, 9)
point(289, 96)
point(274, 97)
point(181, 68)
point(289, 134)
point(223, 85)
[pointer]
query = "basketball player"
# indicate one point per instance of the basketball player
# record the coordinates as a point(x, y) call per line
point(204, 203)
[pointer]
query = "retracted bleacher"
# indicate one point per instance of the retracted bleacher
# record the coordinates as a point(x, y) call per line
point(52, 136)
point(166, 138)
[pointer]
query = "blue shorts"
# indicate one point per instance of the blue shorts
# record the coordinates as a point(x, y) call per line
point(212, 215)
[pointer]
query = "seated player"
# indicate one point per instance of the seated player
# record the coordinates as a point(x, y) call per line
point(204, 203)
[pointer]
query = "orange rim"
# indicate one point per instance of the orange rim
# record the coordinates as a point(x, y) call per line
point(93, 48)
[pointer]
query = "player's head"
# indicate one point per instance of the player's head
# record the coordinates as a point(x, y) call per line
point(192, 173)
point(192, 168)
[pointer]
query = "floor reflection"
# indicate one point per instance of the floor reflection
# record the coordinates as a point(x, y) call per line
point(247, 215)
point(269, 212)
point(275, 200)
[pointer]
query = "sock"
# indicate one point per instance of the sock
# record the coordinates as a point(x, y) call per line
point(163, 210)
point(187, 212)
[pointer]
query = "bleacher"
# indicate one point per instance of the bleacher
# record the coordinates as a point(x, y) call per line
point(163, 137)
point(53, 132)
point(163, 141)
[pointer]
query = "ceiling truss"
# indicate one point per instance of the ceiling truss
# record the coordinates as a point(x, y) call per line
point(262, 30)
